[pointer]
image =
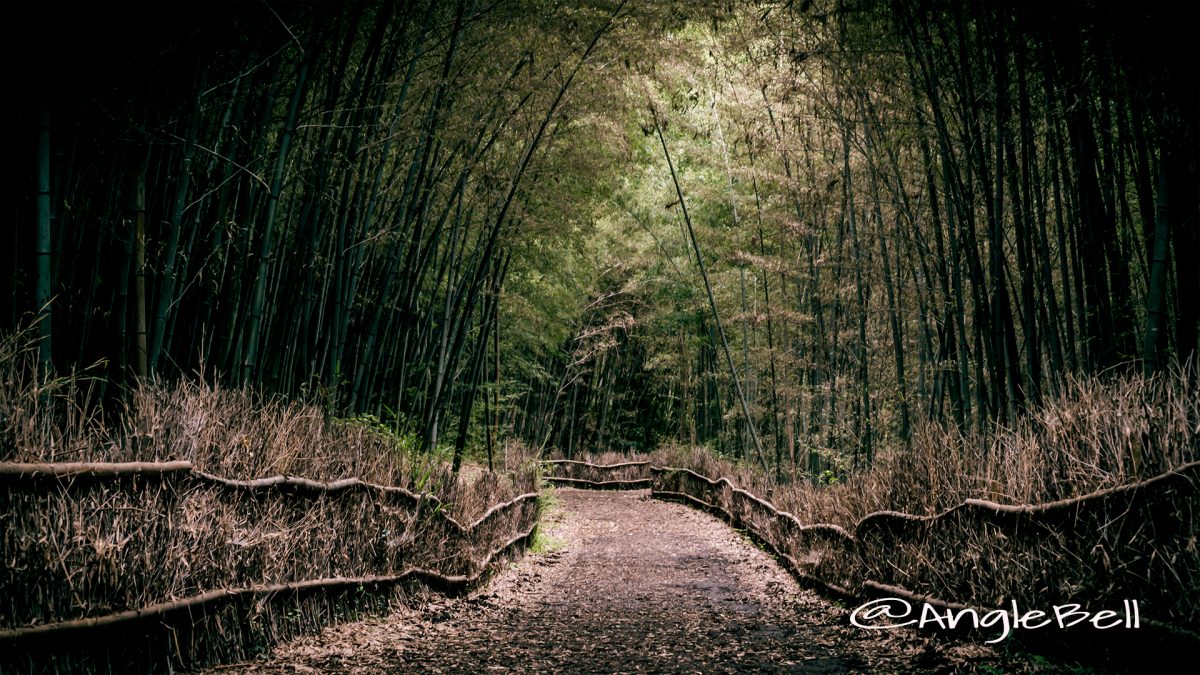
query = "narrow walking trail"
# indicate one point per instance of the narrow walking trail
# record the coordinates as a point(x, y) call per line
point(623, 583)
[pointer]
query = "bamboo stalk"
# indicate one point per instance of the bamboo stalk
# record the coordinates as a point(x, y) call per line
point(141, 357)
point(30, 470)
point(712, 303)
point(44, 283)
point(296, 482)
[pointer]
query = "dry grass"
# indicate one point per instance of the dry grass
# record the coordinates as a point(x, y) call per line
point(226, 432)
point(86, 548)
point(1098, 434)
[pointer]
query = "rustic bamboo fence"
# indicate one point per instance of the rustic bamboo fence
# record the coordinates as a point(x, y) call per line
point(149, 565)
point(621, 476)
point(1137, 541)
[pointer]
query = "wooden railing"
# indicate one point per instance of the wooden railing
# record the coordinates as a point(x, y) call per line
point(620, 476)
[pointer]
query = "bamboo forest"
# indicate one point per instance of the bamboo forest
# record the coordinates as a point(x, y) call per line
point(600, 336)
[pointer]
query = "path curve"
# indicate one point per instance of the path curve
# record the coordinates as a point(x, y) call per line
point(626, 584)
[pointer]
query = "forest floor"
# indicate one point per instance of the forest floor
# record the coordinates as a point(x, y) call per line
point(618, 582)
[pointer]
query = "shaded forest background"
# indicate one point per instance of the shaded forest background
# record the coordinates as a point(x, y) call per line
point(458, 219)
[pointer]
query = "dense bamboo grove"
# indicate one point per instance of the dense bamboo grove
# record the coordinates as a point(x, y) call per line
point(794, 232)
point(320, 199)
point(912, 213)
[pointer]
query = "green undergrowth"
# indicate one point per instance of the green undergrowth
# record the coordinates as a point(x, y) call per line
point(546, 543)
point(549, 504)
point(548, 500)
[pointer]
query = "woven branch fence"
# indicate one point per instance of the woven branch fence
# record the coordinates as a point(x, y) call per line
point(622, 476)
point(1134, 542)
point(153, 565)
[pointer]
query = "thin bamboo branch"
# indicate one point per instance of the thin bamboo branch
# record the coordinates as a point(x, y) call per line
point(737, 383)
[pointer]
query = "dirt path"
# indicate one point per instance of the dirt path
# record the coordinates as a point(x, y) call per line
point(626, 584)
